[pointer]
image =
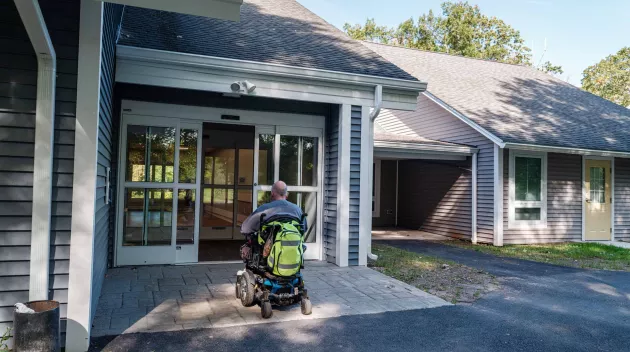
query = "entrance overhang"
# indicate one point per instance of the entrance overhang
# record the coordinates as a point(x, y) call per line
point(198, 72)
point(221, 9)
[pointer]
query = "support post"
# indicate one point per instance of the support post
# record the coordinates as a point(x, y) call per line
point(365, 210)
point(498, 196)
point(80, 308)
point(343, 187)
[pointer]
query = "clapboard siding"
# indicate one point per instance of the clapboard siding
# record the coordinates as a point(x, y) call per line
point(622, 199)
point(436, 197)
point(564, 202)
point(104, 220)
point(431, 121)
point(355, 184)
point(18, 98)
point(331, 168)
point(387, 210)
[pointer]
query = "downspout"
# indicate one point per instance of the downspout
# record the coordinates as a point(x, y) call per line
point(35, 26)
point(473, 237)
point(378, 103)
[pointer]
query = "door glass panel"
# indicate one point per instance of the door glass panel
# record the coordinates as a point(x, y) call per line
point(289, 146)
point(133, 230)
point(598, 185)
point(218, 207)
point(309, 161)
point(147, 217)
point(159, 213)
point(219, 166)
point(265, 159)
point(162, 157)
point(186, 216)
point(136, 153)
point(244, 206)
point(245, 167)
point(188, 155)
point(307, 201)
point(263, 197)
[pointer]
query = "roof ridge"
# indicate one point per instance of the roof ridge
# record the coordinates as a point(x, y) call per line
point(447, 54)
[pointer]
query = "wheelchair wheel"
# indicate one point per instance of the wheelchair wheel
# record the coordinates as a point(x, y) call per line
point(265, 310)
point(307, 307)
point(247, 292)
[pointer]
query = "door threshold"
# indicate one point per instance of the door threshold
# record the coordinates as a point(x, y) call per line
point(213, 262)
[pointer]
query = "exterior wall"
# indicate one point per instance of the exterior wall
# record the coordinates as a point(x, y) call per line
point(331, 168)
point(564, 202)
point(436, 197)
point(433, 122)
point(388, 195)
point(355, 185)
point(107, 141)
point(18, 84)
point(622, 199)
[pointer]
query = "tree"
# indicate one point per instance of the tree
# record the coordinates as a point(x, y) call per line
point(548, 67)
point(461, 29)
point(610, 78)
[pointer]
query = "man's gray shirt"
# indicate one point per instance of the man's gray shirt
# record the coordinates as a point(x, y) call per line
point(272, 210)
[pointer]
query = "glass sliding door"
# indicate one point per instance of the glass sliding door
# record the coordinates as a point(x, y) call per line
point(293, 155)
point(159, 191)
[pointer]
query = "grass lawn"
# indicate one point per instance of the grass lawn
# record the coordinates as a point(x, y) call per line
point(446, 279)
point(578, 255)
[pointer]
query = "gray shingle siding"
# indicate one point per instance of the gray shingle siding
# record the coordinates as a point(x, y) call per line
point(355, 185)
point(564, 202)
point(436, 197)
point(622, 199)
point(331, 167)
point(430, 120)
point(18, 93)
point(104, 223)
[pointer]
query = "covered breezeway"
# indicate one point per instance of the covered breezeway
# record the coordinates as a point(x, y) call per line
point(424, 185)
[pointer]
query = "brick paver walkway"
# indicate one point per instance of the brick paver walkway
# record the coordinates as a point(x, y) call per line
point(167, 298)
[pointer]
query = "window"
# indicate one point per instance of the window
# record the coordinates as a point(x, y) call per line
point(376, 188)
point(527, 190)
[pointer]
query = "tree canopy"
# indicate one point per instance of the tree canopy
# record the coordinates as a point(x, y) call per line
point(610, 78)
point(461, 29)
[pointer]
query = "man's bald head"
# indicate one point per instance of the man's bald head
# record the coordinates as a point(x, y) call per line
point(279, 191)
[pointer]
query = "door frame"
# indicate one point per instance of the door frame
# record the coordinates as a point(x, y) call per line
point(158, 114)
point(612, 193)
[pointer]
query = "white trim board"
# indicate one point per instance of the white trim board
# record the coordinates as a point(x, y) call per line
point(189, 71)
point(612, 194)
point(409, 147)
point(84, 179)
point(498, 196)
point(565, 150)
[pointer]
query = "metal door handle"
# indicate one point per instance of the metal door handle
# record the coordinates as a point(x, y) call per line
point(588, 200)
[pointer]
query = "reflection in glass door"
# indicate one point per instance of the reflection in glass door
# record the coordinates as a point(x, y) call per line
point(158, 189)
point(296, 161)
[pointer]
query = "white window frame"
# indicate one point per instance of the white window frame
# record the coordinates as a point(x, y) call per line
point(376, 197)
point(513, 203)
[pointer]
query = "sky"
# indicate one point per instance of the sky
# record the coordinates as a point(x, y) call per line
point(579, 33)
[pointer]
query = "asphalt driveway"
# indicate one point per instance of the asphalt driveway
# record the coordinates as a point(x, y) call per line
point(540, 307)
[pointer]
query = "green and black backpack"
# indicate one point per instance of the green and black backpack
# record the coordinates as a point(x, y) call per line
point(287, 253)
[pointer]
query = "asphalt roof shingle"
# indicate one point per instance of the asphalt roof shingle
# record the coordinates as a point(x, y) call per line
point(270, 31)
point(518, 104)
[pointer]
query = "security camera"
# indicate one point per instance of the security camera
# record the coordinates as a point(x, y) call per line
point(243, 87)
point(249, 86)
point(235, 87)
